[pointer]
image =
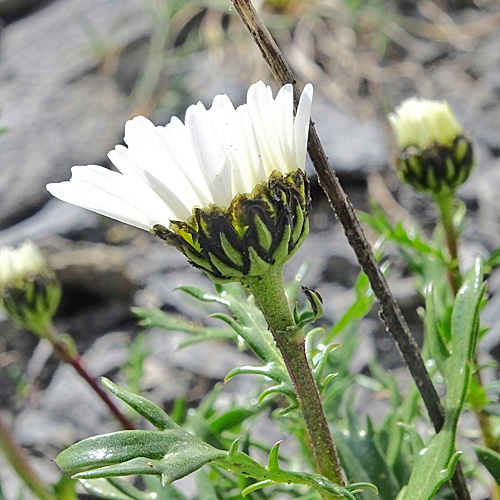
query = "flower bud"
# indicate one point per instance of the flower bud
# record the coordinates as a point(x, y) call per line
point(29, 290)
point(434, 154)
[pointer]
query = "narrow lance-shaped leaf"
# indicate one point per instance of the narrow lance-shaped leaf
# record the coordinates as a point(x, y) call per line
point(436, 463)
point(491, 460)
point(364, 459)
point(104, 488)
point(438, 349)
point(151, 412)
point(171, 453)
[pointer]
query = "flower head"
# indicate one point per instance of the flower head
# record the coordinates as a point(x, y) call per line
point(29, 290)
point(181, 180)
point(434, 153)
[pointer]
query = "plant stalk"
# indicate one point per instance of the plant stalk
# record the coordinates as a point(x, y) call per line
point(270, 296)
point(20, 463)
point(65, 354)
point(390, 312)
point(445, 207)
point(445, 204)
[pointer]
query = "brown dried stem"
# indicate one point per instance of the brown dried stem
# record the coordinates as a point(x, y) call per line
point(390, 312)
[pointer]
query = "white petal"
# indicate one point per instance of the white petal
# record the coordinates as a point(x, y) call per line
point(167, 171)
point(153, 162)
point(111, 194)
point(210, 154)
point(261, 106)
point(238, 139)
point(284, 122)
point(176, 140)
point(301, 125)
point(251, 155)
point(160, 192)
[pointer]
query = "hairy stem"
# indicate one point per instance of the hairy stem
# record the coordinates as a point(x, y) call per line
point(270, 295)
point(445, 207)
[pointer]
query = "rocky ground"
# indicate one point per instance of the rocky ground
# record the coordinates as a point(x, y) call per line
point(67, 68)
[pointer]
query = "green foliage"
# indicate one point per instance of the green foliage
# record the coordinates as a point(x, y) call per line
point(424, 258)
point(437, 461)
point(246, 324)
point(241, 463)
point(491, 460)
point(171, 453)
point(363, 458)
point(114, 488)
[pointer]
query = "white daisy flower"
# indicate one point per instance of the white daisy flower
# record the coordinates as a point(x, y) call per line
point(167, 171)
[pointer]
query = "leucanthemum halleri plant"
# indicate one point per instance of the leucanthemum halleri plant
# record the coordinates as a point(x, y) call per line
point(227, 188)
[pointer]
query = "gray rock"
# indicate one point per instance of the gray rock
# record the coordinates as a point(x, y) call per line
point(9, 8)
point(55, 218)
point(355, 146)
point(59, 110)
point(209, 359)
point(70, 410)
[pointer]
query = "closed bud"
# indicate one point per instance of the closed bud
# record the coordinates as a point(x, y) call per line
point(29, 290)
point(434, 153)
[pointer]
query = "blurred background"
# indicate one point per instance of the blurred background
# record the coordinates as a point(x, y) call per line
point(73, 71)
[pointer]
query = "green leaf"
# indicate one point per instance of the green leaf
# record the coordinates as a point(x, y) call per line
point(152, 317)
point(360, 307)
point(494, 259)
point(204, 296)
point(363, 458)
point(438, 349)
point(170, 453)
point(242, 464)
point(436, 463)
point(309, 316)
point(247, 325)
point(256, 486)
point(114, 489)
point(491, 460)
point(151, 412)
point(205, 487)
point(230, 419)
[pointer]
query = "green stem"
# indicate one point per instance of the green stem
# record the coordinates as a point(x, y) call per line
point(445, 204)
point(270, 295)
point(19, 462)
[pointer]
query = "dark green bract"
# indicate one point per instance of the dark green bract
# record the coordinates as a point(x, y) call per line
point(256, 232)
point(438, 169)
